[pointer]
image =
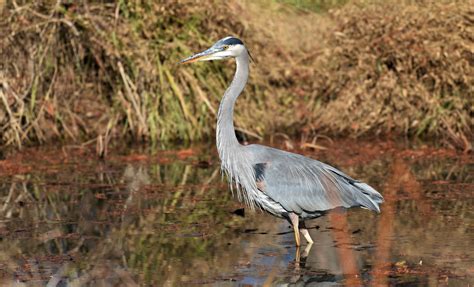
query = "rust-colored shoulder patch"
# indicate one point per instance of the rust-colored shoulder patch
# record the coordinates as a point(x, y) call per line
point(261, 186)
point(259, 169)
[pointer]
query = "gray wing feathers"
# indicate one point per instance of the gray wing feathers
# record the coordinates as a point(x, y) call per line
point(301, 184)
point(363, 187)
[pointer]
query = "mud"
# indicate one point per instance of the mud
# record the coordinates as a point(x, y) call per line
point(155, 217)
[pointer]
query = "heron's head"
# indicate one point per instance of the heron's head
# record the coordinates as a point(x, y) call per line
point(222, 49)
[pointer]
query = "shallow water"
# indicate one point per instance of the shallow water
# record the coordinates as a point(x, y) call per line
point(167, 218)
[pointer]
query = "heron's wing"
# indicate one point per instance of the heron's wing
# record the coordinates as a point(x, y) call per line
point(301, 184)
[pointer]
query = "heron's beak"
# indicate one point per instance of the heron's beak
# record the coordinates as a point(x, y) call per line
point(203, 56)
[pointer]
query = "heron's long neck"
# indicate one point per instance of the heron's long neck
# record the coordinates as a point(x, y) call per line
point(225, 136)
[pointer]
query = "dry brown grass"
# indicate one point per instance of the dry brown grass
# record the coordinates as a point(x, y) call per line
point(371, 68)
point(405, 69)
point(78, 70)
point(83, 71)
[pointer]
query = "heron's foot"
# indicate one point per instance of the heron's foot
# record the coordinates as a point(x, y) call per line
point(300, 257)
point(306, 235)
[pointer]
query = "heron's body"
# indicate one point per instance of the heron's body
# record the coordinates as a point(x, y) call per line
point(284, 184)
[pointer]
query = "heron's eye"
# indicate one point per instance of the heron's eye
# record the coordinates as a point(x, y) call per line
point(225, 47)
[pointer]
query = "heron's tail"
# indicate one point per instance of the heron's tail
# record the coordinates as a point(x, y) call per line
point(368, 197)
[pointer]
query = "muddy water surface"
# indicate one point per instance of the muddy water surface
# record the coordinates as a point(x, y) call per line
point(166, 218)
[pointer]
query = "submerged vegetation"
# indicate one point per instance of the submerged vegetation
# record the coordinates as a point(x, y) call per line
point(79, 71)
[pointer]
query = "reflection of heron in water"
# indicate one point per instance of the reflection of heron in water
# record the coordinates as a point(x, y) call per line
point(284, 184)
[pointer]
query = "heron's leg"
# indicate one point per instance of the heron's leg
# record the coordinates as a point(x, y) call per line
point(307, 250)
point(297, 256)
point(305, 233)
point(294, 222)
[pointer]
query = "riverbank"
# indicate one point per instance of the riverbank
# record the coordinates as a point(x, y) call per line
point(96, 72)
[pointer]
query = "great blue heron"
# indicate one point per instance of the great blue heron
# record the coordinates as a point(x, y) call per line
point(285, 184)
